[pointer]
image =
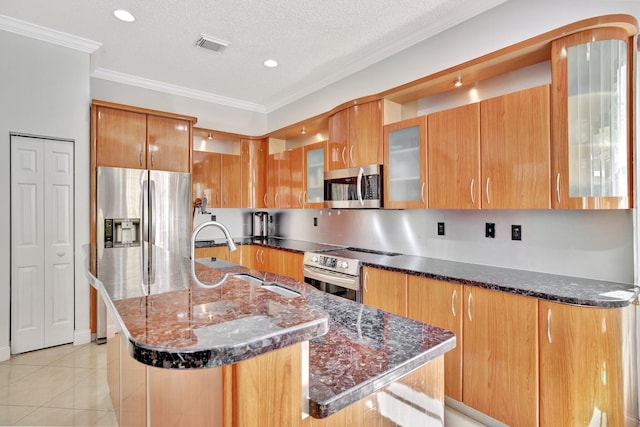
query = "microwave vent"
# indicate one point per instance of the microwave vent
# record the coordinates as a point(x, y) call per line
point(211, 43)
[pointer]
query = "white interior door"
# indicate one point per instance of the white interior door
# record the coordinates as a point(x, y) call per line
point(42, 250)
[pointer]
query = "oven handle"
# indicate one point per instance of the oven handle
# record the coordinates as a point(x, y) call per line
point(351, 282)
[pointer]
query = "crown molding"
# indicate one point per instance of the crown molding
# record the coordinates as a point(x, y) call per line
point(45, 34)
point(128, 79)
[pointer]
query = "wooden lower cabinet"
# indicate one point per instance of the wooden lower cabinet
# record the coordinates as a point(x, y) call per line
point(113, 372)
point(262, 391)
point(220, 252)
point(500, 358)
point(187, 397)
point(386, 290)
point(440, 303)
point(133, 389)
point(587, 372)
point(291, 263)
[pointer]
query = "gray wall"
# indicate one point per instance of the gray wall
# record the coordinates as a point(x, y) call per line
point(45, 92)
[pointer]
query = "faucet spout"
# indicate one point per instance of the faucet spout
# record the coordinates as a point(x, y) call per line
point(232, 247)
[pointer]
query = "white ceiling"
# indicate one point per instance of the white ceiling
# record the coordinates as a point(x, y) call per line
point(315, 42)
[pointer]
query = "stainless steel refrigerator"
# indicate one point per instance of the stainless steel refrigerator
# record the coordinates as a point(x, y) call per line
point(134, 206)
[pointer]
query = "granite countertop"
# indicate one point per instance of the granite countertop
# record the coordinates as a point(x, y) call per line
point(551, 287)
point(174, 322)
point(171, 321)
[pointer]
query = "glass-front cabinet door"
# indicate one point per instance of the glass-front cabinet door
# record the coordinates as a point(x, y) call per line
point(315, 159)
point(405, 158)
point(591, 106)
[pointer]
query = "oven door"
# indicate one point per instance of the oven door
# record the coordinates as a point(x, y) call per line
point(342, 285)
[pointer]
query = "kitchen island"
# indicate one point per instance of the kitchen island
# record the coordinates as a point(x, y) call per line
point(239, 353)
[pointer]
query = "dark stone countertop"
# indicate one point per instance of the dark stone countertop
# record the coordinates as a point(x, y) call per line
point(175, 322)
point(551, 287)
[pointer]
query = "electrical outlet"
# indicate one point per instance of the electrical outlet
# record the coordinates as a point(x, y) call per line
point(490, 230)
point(441, 229)
point(315, 221)
point(516, 232)
point(213, 217)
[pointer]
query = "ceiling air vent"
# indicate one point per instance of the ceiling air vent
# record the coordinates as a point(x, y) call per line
point(211, 43)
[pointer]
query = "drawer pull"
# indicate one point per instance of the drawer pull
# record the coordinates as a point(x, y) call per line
point(549, 325)
point(453, 305)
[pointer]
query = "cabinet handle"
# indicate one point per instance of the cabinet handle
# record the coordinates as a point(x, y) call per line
point(549, 325)
point(366, 280)
point(258, 256)
point(264, 199)
point(300, 199)
point(262, 256)
point(453, 305)
point(304, 198)
point(469, 306)
point(471, 192)
point(275, 199)
point(351, 155)
point(486, 192)
point(344, 161)
point(558, 187)
point(140, 157)
point(422, 193)
point(152, 159)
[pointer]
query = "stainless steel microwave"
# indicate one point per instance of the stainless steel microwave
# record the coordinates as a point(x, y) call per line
point(353, 188)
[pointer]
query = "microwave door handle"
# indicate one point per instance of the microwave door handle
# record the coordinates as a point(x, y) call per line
point(360, 175)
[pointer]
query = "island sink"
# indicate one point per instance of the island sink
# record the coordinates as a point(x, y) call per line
point(271, 286)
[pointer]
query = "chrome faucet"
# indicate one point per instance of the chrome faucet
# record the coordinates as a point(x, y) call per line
point(232, 247)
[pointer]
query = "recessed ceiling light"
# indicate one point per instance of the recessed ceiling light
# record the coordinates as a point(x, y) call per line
point(124, 15)
point(271, 63)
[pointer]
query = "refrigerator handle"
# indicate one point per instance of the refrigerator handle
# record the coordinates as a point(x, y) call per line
point(150, 213)
point(144, 187)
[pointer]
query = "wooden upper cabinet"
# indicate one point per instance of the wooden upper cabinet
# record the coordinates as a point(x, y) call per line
point(592, 107)
point(453, 157)
point(500, 360)
point(405, 163)
point(296, 178)
point(355, 136)
point(315, 161)
point(515, 147)
point(254, 154)
point(120, 138)
point(338, 142)
point(205, 177)
point(168, 144)
point(365, 134)
point(586, 365)
point(131, 137)
point(230, 178)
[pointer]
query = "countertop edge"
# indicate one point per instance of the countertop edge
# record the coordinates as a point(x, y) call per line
point(335, 404)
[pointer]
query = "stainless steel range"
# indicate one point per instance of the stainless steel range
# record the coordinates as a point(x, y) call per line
point(330, 272)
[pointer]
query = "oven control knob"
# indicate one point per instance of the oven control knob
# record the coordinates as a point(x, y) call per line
point(343, 264)
point(314, 259)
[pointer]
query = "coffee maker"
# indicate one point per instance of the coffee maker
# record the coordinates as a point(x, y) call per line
point(260, 225)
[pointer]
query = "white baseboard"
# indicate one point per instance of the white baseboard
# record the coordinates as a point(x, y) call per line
point(472, 413)
point(82, 337)
point(5, 353)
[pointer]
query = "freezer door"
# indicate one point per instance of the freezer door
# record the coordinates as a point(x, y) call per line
point(169, 196)
point(118, 196)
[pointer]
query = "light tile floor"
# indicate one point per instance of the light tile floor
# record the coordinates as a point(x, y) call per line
point(58, 386)
point(67, 386)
